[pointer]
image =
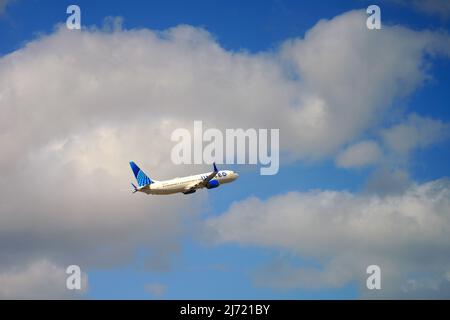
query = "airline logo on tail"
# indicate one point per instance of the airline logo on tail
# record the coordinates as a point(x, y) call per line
point(141, 178)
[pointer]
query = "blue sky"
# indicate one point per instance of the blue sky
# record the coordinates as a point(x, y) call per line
point(198, 269)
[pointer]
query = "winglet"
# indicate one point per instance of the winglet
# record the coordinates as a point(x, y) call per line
point(215, 168)
point(135, 188)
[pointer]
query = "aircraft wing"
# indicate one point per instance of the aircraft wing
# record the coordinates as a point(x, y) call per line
point(205, 181)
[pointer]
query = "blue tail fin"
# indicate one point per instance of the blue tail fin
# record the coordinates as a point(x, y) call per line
point(141, 178)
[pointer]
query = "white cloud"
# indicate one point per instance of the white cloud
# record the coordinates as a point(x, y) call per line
point(388, 181)
point(39, 280)
point(405, 234)
point(183, 74)
point(76, 106)
point(415, 132)
point(412, 133)
point(360, 154)
point(350, 76)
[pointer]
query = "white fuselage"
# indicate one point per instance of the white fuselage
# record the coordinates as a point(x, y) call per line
point(185, 183)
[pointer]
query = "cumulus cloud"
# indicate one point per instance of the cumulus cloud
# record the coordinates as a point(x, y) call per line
point(407, 235)
point(388, 181)
point(325, 91)
point(360, 154)
point(393, 150)
point(352, 75)
point(38, 280)
point(415, 132)
point(76, 106)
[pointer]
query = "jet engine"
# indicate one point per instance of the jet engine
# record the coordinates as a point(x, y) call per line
point(212, 184)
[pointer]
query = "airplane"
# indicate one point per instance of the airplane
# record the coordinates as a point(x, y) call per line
point(186, 185)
